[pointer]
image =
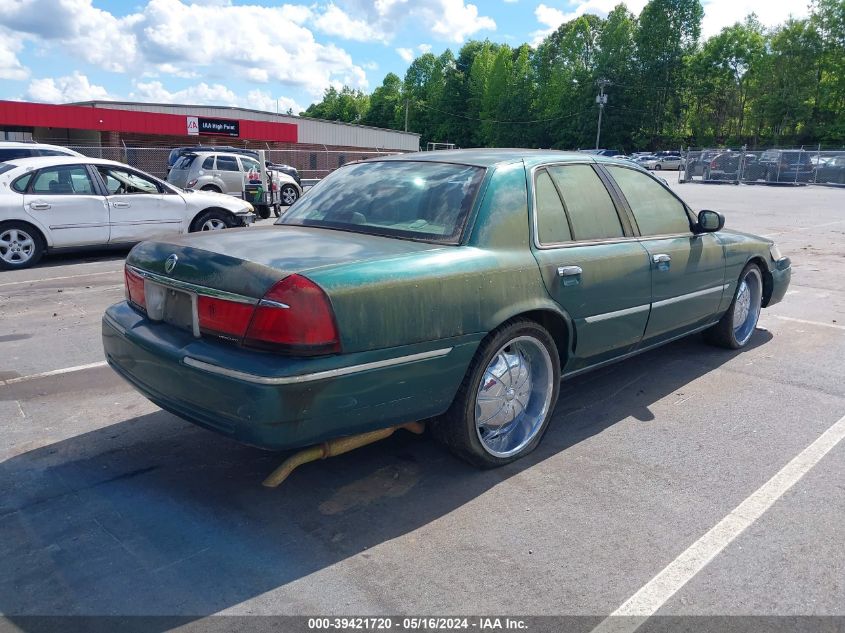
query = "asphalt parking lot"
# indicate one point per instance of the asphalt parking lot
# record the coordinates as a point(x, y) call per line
point(110, 506)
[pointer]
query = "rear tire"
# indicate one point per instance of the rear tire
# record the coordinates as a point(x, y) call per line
point(21, 245)
point(288, 194)
point(506, 400)
point(737, 325)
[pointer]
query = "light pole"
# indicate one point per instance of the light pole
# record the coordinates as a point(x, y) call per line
point(601, 99)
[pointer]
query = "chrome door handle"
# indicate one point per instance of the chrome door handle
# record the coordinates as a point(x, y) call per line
point(661, 258)
point(39, 206)
point(569, 271)
point(120, 205)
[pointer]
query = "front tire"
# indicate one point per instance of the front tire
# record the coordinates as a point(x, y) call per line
point(505, 402)
point(211, 220)
point(289, 195)
point(21, 246)
point(736, 326)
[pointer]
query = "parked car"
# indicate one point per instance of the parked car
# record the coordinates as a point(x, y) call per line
point(833, 170)
point(456, 286)
point(786, 165)
point(10, 150)
point(226, 173)
point(667, 161)
point(57, 202)
point(177, 152)
point(726, 166)
point(697, 163)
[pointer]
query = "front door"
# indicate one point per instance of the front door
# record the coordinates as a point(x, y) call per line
point(63, 198)
point(687, 269)
point(138, 206)
point(591, 265)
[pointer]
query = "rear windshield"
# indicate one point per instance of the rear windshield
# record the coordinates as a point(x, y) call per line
point(416, 200)
point(184, 162)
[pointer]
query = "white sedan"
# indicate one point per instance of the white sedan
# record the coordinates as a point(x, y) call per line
point(55, 202)
point(663, 162)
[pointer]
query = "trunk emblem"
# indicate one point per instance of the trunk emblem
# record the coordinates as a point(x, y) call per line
point(170, 263)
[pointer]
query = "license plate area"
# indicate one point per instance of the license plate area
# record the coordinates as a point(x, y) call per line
point(174, 307)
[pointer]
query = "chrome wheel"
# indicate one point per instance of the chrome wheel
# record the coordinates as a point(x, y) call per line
point(213, 224)
point(288, 195)
point(747, 305)
point(16, 246)
point(514, 396)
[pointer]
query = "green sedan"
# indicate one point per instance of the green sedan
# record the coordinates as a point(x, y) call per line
point(458, 287)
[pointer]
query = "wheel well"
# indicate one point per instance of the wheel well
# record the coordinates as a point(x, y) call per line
point(226, 212)
point(768, 281)
point(211, 188)
point(38, 233)
point(555, 325)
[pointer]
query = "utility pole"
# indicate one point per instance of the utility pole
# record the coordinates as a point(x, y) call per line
point(406, 113)
point(601, 99)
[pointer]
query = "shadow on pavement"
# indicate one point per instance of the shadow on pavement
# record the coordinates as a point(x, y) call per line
point(153, 516)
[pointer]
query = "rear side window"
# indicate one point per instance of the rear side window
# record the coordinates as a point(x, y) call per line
point(67, 180)
point(11, 153)
point(20, 184)
point(552, 226)
point(208, 163)
point(587, 202)
point(227, 163)
point(656, 211)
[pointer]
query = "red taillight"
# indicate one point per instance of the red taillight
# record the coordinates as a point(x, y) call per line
point(191, 183)
point(135, 288)
point(712, 164)
point(223, 317)
point(295, 315)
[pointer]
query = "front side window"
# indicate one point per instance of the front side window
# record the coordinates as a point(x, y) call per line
point(227, 163)
point(122, 181)
point(588, 204)
point(552, 226)
point(418, 200)
point(67, 179)
point(656, 211)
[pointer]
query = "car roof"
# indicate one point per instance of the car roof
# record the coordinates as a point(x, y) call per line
point(215, 153)
point(23, 144)
point(37, 162)
point(488, 157)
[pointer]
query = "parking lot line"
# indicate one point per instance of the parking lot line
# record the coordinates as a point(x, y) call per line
point(35, 281)
point(656, 592)
point(54, 372)
point(819, 323)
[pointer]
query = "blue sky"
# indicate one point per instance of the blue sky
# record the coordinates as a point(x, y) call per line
point(259, 54)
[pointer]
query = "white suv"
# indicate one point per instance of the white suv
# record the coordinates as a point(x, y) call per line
point(9, 150)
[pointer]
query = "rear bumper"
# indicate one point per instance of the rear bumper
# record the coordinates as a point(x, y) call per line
point(275, 402)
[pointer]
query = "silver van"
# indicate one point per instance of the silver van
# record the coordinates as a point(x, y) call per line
point(226, 173)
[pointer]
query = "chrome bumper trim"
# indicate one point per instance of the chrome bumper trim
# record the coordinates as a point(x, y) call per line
point(192, 288)
point(320, 375)
point(617, 313)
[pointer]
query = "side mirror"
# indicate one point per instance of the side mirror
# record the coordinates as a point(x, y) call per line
point(710, 221)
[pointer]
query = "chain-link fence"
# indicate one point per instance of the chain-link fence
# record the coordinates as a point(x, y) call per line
point(311, 164)
point(795, 166)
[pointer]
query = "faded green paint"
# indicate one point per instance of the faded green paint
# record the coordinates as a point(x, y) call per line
point(394, 298)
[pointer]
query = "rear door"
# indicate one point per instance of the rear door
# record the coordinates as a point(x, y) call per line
point(138, 208)
point(229, 172)
point(591, 262)
point(65, 199)
point(687, 269)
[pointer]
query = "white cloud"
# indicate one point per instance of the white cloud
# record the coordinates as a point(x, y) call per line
point(211, 94)
point(406, 53)
point(335, 21)
point(170, 37)
point(717, 13)
point(75, 87)
point(424, 48)
point(10, 66)
point(721, 13)
point(448, 20)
